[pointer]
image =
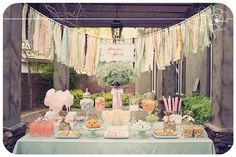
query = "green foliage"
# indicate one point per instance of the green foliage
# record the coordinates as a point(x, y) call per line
point(107, 96)
point(125, 99)
point(108, 104)
point(95, 95)
point(74, 78)
point(78, 95)
point(200, 106)
point(45, 75)
point(116, 73)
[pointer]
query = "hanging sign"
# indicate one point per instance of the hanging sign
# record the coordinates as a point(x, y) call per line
point(117, 52)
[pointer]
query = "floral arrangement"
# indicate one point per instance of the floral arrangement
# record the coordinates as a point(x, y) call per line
point(116, 74)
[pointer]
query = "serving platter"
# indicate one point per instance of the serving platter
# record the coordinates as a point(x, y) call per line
point(165, 136)
point(67, 137)
point(124, 136)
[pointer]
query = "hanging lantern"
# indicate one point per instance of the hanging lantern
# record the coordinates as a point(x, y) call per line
point(116, 30)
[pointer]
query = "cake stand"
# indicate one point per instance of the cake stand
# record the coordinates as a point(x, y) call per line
point(92, 132)
point(141, 132)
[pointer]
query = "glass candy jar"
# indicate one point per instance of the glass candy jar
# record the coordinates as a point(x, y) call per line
point(99, 106)
point(148, 103)
point(187, 119)
point(198, 131)
point(186, 131)
point(187, 125)
point(133, 107)
point(169, 122)
point(87, 103)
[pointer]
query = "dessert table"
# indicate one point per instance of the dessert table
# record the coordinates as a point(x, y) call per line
point(101, 145)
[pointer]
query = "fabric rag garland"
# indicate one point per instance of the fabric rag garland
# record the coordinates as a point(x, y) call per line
point(68, 46)
point(176, 42)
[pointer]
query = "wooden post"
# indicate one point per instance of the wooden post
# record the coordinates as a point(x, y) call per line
point(12, 47)
point(60, 76)
point(222, 74)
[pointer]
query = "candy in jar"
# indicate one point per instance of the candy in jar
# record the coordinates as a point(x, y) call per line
point(86, 103)
point(148, 105)
point(99, 104)
point(198, 131)
point(187, 131)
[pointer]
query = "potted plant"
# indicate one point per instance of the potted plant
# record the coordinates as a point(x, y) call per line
point(116, 74)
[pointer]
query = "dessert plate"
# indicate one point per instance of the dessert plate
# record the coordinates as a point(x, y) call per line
point(67, 137)
point(113, 134)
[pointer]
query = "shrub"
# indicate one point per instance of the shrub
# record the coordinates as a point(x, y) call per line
point(45, 75)
point(108, 104)
point(73, 78)
point(95, 95)
point(200, 106)
point(125, 99)
point(78, 95)
point(107, 96)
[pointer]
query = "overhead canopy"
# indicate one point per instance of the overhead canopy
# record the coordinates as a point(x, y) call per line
point(130, 14)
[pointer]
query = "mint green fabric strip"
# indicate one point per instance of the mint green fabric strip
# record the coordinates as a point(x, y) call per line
point(64, 47)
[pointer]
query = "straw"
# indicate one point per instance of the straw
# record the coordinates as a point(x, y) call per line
point(176, 103)
point(165, 103)
point(180, 104)
point(173, 104)
point(169, 103)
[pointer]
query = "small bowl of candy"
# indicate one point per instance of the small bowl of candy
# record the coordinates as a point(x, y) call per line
point(141, 127)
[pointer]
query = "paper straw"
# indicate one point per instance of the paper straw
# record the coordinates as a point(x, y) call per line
point(176, 103)
point(169, 103)
point(180, 104)
point(173, 104)
point(165, 103)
